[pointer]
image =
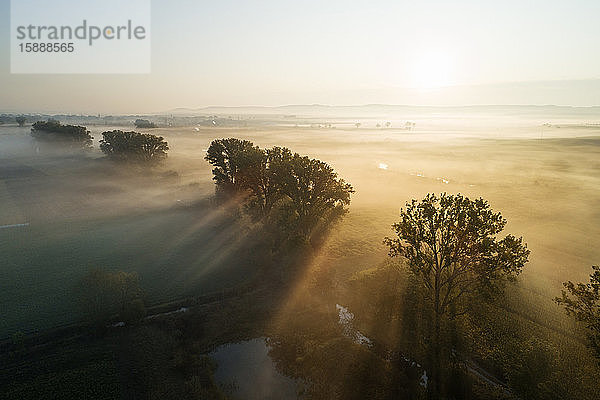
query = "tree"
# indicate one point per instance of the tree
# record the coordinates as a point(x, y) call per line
point(134, 147)
point(357, 125)
point(451, 245)
point(127, 287)
point(103, 294)
point(96, 296)
point(236, 162)
point(309, 189)
point(144, 123)
point(529, 370)
point(75, 137)
point(260, 174)
point(20, 120)
point(582, 301)
point(314, 189)
point(388, 124)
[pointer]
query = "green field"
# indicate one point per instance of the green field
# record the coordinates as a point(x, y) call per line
point(82, 214)
point(173, 255)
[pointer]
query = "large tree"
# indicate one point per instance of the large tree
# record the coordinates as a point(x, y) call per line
point(582, 300)
point(20, 120)
point(235, 161)
point(314, 189)
point(261, 175)
point(453, 250)
point(308, 191)
point(134, 146)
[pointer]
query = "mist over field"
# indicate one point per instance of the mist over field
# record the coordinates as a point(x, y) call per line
point(544, 179)
point(316, 200)
point(65, 213)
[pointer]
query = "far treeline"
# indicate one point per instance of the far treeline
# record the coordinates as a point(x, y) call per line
point(117, 145)
point(144, 124)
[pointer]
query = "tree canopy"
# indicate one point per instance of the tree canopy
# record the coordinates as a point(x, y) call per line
point(582, 300)
point(236, 163)
point(306, 190)
point(451, 244)
point(313, 187)
point(20, 120)
point(71, 135)
point(133, 146)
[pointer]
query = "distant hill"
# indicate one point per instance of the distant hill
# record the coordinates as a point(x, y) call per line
point(369, 109)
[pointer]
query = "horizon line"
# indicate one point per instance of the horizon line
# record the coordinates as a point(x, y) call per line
point(313, 105)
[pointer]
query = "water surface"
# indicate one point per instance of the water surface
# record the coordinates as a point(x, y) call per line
point(248, 366)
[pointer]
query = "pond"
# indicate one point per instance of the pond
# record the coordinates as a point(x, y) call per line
point(248, 369)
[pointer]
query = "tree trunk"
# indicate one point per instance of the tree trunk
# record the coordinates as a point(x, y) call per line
point(434, 384)
point(434, 381)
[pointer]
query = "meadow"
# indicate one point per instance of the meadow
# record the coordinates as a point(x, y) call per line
point(81, 213)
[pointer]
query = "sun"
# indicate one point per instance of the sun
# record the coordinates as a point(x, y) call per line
point(431, 69)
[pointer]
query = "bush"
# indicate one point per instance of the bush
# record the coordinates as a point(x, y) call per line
point(70, 135)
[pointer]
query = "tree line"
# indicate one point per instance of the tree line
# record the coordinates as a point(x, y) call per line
point(303, 195)
point(117, 145)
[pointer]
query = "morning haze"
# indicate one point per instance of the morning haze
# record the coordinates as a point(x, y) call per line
point(374, 200)
point(273, 53)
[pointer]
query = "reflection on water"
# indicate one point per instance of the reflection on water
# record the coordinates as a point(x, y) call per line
point(249, 370)
point(346, 319)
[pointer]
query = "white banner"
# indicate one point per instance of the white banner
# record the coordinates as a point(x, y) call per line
point(74, 36)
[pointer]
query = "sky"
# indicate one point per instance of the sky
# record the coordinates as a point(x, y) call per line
point(278, 52)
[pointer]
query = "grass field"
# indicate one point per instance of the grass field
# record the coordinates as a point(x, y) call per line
point(75, 214)
point(82, 214)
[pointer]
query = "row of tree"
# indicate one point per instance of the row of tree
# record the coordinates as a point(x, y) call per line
point(304, 193)
point(117, 145)
point(139, 123)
